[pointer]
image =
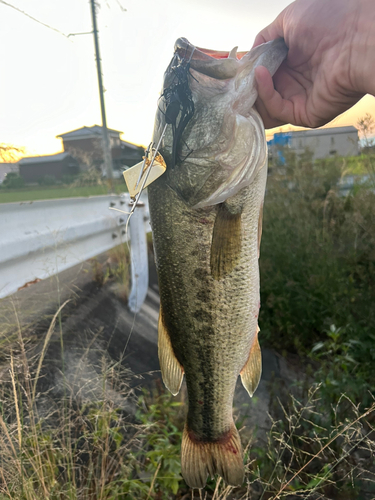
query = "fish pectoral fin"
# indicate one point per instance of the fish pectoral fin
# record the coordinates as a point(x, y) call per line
point(171, 370)
point(251, 372)
point(226, 242)
point(200, 459)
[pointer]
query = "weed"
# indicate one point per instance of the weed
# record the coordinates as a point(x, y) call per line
point(115, 268)
point(82, 447)
point(317, 268)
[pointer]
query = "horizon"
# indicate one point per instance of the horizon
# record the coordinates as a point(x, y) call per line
point(269, 136)
point(51, 83)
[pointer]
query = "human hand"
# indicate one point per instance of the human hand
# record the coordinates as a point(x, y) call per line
point(329, 64)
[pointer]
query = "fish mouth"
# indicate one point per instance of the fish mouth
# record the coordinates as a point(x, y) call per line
point(223, 65)
point(217, 64)
point(187, 50)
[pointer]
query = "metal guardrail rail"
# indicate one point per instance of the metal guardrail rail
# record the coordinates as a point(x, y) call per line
point(42, 238)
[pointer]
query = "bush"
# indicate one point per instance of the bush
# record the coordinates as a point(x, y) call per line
point(69, 179)
point(318, 269)
point(47, 180)
point(89, 177)
point(13, 181)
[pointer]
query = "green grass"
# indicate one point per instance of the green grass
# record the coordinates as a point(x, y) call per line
point(318, 273)
point(54, 192)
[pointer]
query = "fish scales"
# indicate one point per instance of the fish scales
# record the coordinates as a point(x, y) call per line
point(202, 313)
point(205, 221)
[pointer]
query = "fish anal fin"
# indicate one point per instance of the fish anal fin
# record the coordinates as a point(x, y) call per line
point(171, 370)
point(200, 459)
point(226, 242)
point(252, 371)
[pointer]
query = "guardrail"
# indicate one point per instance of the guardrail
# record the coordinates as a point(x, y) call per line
point(42, 238)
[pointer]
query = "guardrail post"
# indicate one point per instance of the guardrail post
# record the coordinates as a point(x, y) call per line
point(139, 259)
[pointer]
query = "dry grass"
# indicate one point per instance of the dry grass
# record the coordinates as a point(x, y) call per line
point(88, 446)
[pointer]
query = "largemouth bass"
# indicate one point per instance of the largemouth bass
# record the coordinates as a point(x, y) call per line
point(206, 217)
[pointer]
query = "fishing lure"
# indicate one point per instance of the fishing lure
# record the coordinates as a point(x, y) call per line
point(177, 100)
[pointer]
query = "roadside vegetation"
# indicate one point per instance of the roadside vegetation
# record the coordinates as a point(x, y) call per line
point(14, 190)
point(88, 183)
point(54, 192)
point(318, 271)
point(86, 445)
point(318, 295)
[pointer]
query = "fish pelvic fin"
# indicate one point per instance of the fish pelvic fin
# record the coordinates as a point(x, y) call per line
point(171, 370)
point(226, 242)
point(252, 371)
point(200, 459)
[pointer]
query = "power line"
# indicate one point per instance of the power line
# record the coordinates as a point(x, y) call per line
point(33, 18)
point(121, 7)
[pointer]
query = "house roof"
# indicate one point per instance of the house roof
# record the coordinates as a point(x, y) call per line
point(130, 145)
point(42, 159)
point(320, 131)
point(87, 132)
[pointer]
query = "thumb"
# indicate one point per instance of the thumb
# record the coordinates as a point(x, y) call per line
point(264, 82)
point(272, 31)
point(270, 105)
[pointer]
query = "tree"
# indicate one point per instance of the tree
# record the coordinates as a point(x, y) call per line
point(10, 153)
point(366, 126)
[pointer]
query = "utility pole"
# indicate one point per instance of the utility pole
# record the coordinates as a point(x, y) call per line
point(106, 146)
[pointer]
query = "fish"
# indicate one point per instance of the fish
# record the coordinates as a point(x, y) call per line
point(206, 219)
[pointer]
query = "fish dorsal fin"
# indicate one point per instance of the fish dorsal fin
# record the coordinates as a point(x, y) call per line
point(171, 370)
point(226, 242)
point(251, 372)
point(233, 53)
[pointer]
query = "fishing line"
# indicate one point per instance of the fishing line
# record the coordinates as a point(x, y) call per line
point(132, 263)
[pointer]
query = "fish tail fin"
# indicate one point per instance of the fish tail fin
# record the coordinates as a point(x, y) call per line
point(201, 458)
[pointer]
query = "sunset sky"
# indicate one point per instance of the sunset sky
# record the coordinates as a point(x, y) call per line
point(49, 85)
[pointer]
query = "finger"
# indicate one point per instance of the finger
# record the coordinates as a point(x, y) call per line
point(272, 107)
point(268, 121)
point(272, 31)
point(259, 39)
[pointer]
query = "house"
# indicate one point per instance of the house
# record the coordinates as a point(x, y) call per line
point(36, 168)
point(323, 142)
point(85, 144)
point(6, 168)
point(82, 149)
